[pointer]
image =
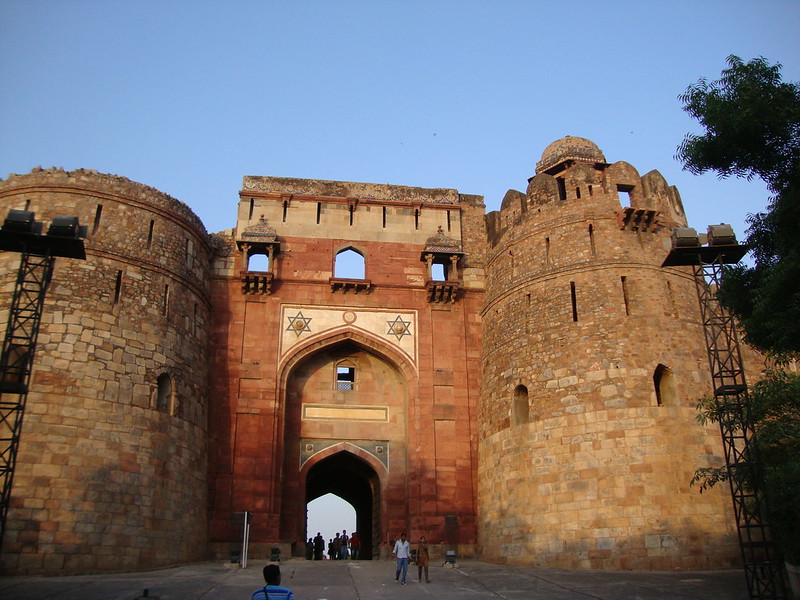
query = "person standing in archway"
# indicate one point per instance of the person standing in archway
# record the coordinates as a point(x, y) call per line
point(355, 545)
point(401, 551)
point(319, 546)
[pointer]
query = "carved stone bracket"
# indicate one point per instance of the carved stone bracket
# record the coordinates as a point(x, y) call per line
point(255, 282)
point(350, 285)
point(639, 219)
point(442, 291)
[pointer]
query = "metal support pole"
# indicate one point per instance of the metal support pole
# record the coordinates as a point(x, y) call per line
point(245, 539)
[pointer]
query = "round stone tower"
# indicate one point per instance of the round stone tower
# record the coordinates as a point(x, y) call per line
point(111, 469)
point(593, 361)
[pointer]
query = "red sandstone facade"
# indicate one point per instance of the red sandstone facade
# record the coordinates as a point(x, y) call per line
point(364, 386)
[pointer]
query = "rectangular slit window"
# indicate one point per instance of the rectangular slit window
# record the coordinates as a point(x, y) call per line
point(165, 307)
point(252, 208)
point(150, 233)
point(416, 218)
point(384, 216)
point(319, 211)
point(351, 216)
point(624, 194)
point(562, 189)
point(624, 282)
point(97, 214)
point(448, 220)
point(574, 298)
point(285, 209)
point(118, 288)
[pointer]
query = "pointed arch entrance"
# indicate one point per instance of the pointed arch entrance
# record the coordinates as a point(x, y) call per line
point(346, 401)
point(352, 478)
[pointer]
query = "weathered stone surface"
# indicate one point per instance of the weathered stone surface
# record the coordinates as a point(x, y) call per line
point(541, 412)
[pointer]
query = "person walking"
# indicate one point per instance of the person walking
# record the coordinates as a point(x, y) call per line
point(423, 559)
point(401, 551)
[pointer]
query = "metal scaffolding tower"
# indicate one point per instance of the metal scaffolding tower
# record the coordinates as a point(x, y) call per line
point(38, 254)
point(761, 557)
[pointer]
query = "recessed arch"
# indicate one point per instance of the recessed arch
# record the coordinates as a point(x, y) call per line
point(665, 386)
point(520, 406)
point(164, 393)
point(360, 338)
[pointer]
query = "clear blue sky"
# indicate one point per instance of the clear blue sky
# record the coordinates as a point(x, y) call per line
point(188, 97)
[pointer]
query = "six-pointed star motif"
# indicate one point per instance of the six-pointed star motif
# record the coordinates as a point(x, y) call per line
point(299, 323)
point(398, 328)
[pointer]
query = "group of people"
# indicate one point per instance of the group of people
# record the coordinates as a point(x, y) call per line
point(401, 551)
point(342, 547)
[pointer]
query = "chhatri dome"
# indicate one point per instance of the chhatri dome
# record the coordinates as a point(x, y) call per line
point(569, 148)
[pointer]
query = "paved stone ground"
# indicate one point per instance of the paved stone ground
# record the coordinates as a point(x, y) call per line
point(374, 580)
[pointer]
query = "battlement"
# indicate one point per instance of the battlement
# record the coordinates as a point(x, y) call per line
point(377, 192)
point(366, 212)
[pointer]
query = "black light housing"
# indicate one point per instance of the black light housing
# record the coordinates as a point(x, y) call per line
point(19, 221)
point(64, 227)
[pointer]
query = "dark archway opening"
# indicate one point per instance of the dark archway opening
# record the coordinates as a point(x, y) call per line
point(354, 481)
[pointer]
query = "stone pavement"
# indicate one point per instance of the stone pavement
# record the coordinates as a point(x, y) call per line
point(374, 580)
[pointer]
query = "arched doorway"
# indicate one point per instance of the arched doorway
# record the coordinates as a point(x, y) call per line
point(356, 482)
point(346, 403)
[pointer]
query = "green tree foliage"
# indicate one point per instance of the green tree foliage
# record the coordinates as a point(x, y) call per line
point(773, 413)
point(752, 129)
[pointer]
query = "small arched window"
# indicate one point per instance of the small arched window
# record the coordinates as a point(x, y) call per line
point(345, 375)
point(258, 263)
point(438, 272)
point(520, 407)
point(349, 264)
point(164, 393)
point(664, 383)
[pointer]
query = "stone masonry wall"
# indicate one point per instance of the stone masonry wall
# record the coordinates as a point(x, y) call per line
point(582, 463)
point(110, 477)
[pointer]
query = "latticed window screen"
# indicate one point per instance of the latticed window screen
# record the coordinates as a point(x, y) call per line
point(345, 377)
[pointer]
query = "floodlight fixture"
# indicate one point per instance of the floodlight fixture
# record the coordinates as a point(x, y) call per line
point(721, 235)
point(19, 221)
point(64, 227)
point(685, 237)
point(22, 233)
